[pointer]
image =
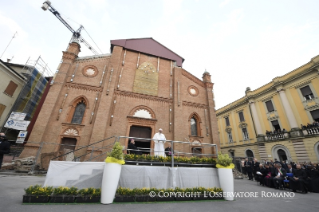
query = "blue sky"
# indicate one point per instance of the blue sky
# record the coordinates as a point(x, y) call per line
point(242, 43)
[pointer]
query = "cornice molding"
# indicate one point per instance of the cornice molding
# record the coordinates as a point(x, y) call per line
point(271, 86)
point(196, 105)
point(142, 121)
point(83, 87)
point(193, 78)
point(69, 55)
point(142, 96)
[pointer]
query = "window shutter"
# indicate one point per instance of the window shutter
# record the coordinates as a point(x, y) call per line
point(2, 108)
point(241, 116)
point(11, 88)
point(315, 114)
point(227, 121)
point(306, 90)
point(270, 106)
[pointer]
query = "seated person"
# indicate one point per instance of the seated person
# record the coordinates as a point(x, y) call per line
point(297, 182)
point(267, 175)
point(278, 176)
point(260, 171)
point(132, 147)
point(168, 150)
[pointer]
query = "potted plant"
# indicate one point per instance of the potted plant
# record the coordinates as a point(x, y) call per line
point(37, 194)
point(111, 174)
point(142, 194)
point(63, 195)
point(89, 195)
point(225, 174)
point(124, 195)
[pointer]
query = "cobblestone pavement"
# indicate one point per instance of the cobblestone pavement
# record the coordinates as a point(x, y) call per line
point(11, 191)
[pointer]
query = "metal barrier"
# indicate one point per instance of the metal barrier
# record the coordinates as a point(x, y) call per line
point(43, 152)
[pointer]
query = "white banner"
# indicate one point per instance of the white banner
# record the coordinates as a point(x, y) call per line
point(20, 140)
point(17, 125)
point(17, 116)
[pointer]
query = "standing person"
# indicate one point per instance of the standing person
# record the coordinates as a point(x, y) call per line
point(159, 140)
point(255, 167)
point(249, 169)
point(4, 147)
point(168, 150)
point(242, 163)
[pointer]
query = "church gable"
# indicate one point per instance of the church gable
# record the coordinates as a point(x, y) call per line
point(193, 78)
point(148, 46)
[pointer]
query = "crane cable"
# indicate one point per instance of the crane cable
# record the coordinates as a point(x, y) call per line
point(92, 40)
point(83, 28)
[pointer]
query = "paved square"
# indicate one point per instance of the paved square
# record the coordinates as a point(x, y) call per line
point(11, 191)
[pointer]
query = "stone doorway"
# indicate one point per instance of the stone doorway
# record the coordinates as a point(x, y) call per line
point(141, 132)
point(67, 145)
point(281, 155)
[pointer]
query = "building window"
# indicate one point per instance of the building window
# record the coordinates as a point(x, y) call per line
point(11, 88)
point(241, 116)
point(306, 93)
point(194, 126)
point(227, 121)
point(2, 108)
point(270, 106)
point(276, 125)
point(245, 134)
point(230, 137)
point(315, 114)
point(78, 113)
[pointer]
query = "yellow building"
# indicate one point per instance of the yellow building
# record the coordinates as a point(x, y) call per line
point(283, 105)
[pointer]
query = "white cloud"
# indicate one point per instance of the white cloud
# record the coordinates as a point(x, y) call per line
point(224, 3)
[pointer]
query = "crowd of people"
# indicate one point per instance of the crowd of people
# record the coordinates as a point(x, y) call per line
point(304, 177)
point(311, 128)
point(276, 133)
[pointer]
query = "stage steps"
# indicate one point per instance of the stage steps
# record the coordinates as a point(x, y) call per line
point(85, 181)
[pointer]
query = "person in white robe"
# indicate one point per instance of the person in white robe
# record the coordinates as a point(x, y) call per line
point(159, 140)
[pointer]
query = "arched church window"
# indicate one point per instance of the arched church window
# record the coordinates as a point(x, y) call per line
point(78, 113)
point(194, 126)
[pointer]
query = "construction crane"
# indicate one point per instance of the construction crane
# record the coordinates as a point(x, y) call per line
point(76, 33)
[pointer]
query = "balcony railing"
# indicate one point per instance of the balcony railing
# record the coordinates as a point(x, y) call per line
point(309, 131)
point(277, 136)
point(305, 132)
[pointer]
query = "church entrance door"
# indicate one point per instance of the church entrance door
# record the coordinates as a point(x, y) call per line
point(67, 145)
point(142, 132)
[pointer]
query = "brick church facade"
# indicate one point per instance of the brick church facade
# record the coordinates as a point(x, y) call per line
point(137, 89)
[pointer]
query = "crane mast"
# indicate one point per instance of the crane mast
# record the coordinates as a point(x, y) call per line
point(76, 33)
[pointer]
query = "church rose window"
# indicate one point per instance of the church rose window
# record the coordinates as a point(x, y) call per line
point(192, 90)
point(78, 113)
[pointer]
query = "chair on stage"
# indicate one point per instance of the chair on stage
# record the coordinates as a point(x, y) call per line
point(286, 181)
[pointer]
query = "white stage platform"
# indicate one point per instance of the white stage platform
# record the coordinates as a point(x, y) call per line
point(89, 174)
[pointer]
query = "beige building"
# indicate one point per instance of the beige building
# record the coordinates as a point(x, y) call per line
point(11, 83)
point(247, 125)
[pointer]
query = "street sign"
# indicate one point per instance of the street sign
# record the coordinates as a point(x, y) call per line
point(20, 140)
point(23, 134)
point(17, 116)
point(17, 124)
